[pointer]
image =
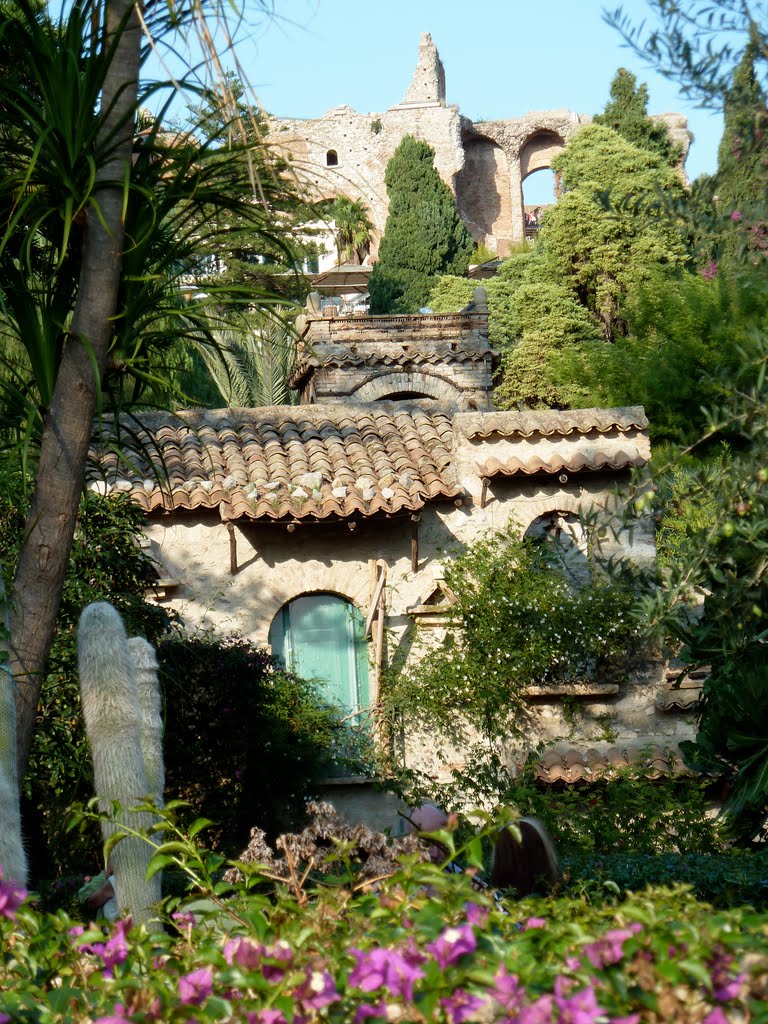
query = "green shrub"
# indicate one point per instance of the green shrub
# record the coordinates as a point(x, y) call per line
point(520, 617)
point(245, 741)
point(724, 880)
point(421, 946)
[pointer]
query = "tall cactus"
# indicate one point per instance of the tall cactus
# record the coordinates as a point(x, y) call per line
point(13, 859)
point(113, 722)
point(145, 664)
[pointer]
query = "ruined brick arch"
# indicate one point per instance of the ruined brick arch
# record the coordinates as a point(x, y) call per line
point(483, 191)
point(406, 383)
point(539, 151)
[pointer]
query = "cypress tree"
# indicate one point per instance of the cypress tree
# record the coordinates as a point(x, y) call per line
point(424, 236)
point(741, 172)
point(627, 113)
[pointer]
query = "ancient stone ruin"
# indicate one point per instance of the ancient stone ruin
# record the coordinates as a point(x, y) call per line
point(485, 163)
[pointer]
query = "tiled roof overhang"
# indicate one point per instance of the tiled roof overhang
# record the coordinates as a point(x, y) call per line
point(286, 463)
point(549, 442)
point(554, 423)
point(581, 462)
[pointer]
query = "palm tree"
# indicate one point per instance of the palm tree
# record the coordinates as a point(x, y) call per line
point(353, 228)
point(96, 233)
point(250, 365)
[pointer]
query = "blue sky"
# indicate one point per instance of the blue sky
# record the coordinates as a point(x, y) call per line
point(501, 58)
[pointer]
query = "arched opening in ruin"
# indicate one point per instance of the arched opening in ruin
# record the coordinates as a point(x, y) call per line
point(483, 192)
point(540, 184)
point(331, 158)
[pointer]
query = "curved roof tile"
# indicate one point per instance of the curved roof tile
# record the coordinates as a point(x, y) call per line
point(591, 460)
point(549, 422)
point(306, 462)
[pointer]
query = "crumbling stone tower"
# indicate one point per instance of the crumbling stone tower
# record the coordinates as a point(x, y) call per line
point(485, 163)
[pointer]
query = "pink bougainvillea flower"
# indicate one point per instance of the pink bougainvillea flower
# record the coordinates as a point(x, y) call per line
point(243, 952)
point(476, 915)
point(278, 958)
point(113, 952)
point(182, 919)
point(12, 895)
point(384, 968)
point(195, 987)
point(266, 1016)
point(717, 1016)
point(318, 990)
point(452, 944)
point(578, 1007)
point(366, 1011)
point(534, 922)
point(737, 215)
point(507, 989)
point(610, 948)
point(539, 1012)
point(119, 1016)
point(460, 1006)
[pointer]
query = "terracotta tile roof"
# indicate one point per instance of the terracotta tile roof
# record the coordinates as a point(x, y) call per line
point(553, 442)
point(590, 460)
point(567, 764)
point(367, 355)
point(549, 422)
point(296, 462)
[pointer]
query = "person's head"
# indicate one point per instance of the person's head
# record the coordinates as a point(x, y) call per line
point(526, 865)
point(427, 817)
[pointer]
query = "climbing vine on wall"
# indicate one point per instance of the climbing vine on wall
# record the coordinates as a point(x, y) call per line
point(518, 620)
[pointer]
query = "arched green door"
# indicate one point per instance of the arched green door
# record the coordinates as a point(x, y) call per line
point(320, 636)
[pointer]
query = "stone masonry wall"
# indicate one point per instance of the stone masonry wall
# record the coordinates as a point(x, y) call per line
point(485, 163)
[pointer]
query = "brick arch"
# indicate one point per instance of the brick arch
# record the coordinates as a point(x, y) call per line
point(538, 150)
point(546, 506)
point(483, 189)
point(423, 384)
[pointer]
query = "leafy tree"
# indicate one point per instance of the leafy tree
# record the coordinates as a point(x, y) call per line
point(686, 335)
point(724, 563)
point(741, 172)
point(239, 257)
point(250, 365)
point(627, 113)
point(424, 235)
point(600, 253)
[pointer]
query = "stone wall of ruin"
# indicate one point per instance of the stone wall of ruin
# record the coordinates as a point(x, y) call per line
point(484, 163)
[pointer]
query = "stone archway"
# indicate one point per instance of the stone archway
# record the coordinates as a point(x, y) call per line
point(538, 152)
point(483, 192)
point(408, 384)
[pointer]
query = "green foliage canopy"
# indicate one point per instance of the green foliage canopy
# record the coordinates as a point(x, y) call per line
point(627, 113)
point(602, 253)
point(424, 235)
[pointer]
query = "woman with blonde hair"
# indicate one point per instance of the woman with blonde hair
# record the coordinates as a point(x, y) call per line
point(527, 864)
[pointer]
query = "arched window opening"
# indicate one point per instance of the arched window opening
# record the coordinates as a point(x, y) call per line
point(320, 637)
point(331, 158)
point(540, 191)
point(567, 543)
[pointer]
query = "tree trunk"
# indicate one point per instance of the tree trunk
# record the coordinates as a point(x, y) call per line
point(50, 525)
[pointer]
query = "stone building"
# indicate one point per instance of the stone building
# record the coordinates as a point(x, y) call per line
point(485, 163)
point(322, 529)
